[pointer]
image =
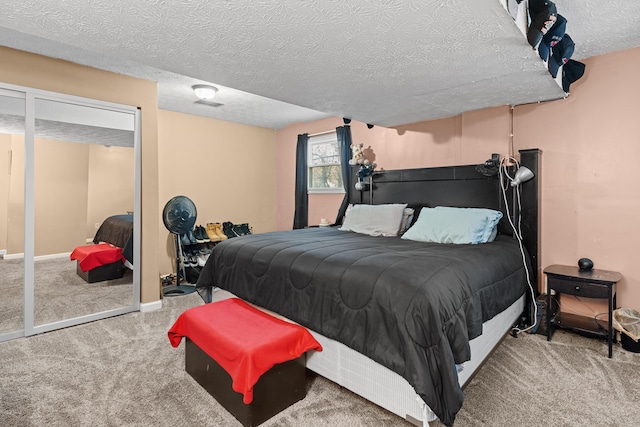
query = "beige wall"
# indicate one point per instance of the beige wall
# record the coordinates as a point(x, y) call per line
point(590, 143)
point(111, 184)
point(15, 199)
point(29, 70)
point(226, 169)
point(5, 182)
point(61, 192)
point(76, 187)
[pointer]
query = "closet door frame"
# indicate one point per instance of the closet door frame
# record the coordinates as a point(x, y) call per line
point(29, 209)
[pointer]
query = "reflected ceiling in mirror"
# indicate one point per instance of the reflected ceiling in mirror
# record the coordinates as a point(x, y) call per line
point(70, 132)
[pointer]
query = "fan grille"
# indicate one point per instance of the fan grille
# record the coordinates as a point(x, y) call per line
point(179, 215)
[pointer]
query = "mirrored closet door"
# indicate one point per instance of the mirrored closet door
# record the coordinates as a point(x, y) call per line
point(81, 183)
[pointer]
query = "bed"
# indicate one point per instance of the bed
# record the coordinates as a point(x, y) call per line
point(117, 230)
point(403, 323)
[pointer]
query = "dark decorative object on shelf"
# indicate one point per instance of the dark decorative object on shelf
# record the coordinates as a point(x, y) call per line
point(490, 167)
point(364, 172)
point(585, 264)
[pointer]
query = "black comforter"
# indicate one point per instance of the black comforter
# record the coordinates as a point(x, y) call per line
point(117, 230)
point(412, 307)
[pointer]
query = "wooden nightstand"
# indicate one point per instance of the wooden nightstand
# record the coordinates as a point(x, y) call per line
point(564, 279)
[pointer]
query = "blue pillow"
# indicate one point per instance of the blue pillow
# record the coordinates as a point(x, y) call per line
point(493, 218)
point(454, 225)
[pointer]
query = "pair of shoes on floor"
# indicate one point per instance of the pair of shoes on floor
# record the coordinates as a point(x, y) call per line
point(168, 280)
point(200, 234)
point(214, 231)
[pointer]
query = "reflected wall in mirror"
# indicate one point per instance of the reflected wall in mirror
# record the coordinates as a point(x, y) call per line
point(84, 174)
point(12, 107)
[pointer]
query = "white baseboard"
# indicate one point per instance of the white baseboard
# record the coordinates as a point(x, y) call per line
point(39, 257)
point(150, 306)
point(13, 256)
point(52, 256)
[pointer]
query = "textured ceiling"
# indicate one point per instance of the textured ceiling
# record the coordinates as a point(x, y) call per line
point(276, 62)
point(68, 132)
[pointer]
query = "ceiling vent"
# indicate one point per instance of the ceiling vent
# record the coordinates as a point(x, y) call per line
point(209, 103)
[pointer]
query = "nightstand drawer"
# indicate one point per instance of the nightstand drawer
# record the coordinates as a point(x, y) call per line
point(573, 287)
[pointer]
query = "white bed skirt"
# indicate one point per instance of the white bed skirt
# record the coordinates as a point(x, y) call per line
point(382, 386)
point(389, 390)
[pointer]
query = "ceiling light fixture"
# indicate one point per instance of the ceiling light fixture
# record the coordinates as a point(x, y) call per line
point(205, 92)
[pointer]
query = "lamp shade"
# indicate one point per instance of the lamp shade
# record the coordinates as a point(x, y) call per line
point(523, 174)
point(204, 91)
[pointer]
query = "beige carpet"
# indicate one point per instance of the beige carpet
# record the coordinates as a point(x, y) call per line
point(59, 292)
point(122, 371)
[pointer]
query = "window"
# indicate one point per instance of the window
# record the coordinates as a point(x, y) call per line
point(323, 161)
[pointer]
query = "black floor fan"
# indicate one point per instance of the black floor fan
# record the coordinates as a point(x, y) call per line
point(179, 216)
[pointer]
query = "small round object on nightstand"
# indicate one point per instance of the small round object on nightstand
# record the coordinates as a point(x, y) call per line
point(585, 264)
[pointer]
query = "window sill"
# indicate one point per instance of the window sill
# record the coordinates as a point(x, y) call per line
point(327, 191)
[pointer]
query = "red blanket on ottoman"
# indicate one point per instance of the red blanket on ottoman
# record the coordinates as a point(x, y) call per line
point(245, 341)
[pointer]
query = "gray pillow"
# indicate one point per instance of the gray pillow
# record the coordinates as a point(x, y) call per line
point(374, 220)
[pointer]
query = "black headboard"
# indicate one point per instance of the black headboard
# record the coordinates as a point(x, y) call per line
point(460, 186)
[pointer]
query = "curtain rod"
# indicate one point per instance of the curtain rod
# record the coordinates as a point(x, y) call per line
point(322, 133)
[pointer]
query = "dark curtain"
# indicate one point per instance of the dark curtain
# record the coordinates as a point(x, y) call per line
point(343, 134)
point(301, 215)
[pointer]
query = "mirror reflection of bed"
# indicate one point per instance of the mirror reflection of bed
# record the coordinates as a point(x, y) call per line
point(117, 230)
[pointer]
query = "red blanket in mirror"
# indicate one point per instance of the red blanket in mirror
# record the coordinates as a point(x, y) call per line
point(92, 256)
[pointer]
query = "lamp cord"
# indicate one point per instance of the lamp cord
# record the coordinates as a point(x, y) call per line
point(517, 232)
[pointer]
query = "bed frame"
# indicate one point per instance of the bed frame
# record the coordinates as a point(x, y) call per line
point(387, 389)
point(457, 186)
